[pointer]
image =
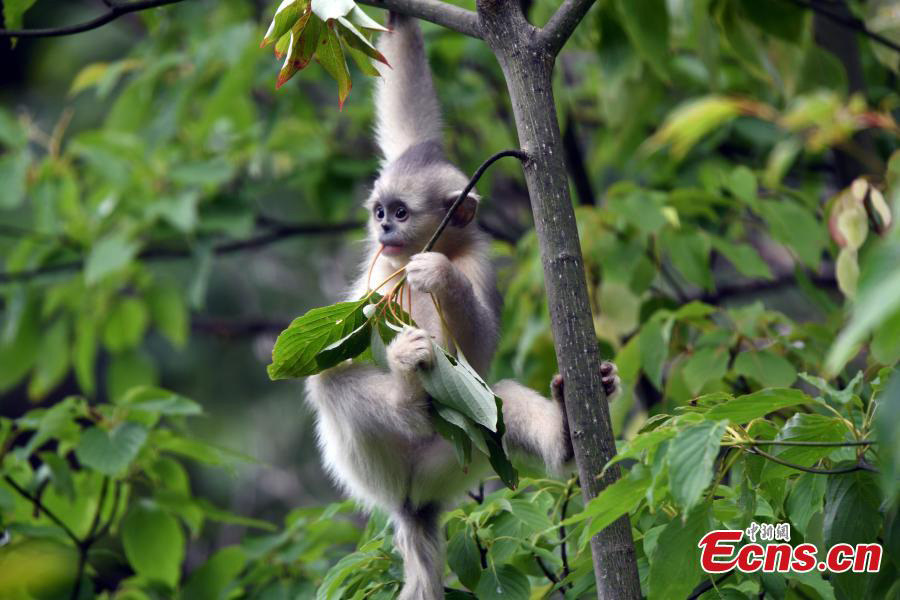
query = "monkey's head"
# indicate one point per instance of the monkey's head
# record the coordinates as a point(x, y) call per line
point(412, 195)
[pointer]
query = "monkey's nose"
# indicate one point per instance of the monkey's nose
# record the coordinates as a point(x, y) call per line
point(386, 227)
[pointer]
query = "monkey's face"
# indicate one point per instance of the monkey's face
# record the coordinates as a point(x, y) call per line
point(410, 199)
point(402, 225)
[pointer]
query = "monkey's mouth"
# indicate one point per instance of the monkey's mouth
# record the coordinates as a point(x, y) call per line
point(393, 249)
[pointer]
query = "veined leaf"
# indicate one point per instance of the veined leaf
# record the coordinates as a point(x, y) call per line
point(301, 46)
point(750, 406)
point(351, 36)
point(111, 452)
point(285, 18)
point(296, 349)
point(690, 457)
point(454, 383)
point(330, 55)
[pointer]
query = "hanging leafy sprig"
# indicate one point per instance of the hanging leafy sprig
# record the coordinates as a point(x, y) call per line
point(464, 409)
point(327, 31)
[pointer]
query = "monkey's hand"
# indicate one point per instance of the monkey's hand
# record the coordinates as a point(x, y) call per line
point(609, 377)
point(410, 350)
point(430, 272)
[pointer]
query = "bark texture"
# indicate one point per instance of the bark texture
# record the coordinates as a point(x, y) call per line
point(526, 55)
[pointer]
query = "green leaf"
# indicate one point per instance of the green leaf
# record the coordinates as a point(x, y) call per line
point(690, 457)
point(303, 41)
point(454, 383)
point(675, 570)
point(12, 134)
point(157, 400)
point(349, 347)
point(285, 18)
point(60, 474)
point(887, 430)
point(296, 348)
point(126, 324)
point(750, 406)
point(213, 579)
point(331, 56)
point(689, 252)
point(885, 345)
point(744, 257)
point(532, 515)
point(453, 433)
point(803, 427)
point(13, 11)
point(852, 517)
point(464, 559)
point(693, 120)
point(647, 26)
point(108, 255)
point(644, 441)
point(503, 583)
point(168, 310)
point(52, 360)
point(797, 228)
point(654, 346)
point(805, 500)
point(615, 500)
point(706, 364)
point(84, 353)
point(352, 37)
point(154, 544)
point(111, 451)
point(13, 171)
point(877, 298)
point(765, 367)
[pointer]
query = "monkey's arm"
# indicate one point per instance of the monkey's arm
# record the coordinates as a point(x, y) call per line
point(464, 302)
point(407, 109)
point(367, 398)
point(539, 426)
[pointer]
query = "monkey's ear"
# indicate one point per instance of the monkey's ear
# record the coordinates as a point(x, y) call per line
point(465, 212)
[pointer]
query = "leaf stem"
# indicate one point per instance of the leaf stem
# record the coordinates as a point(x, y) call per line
point(462, 196)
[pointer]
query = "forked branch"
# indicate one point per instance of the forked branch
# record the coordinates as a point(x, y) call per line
point(561, 25)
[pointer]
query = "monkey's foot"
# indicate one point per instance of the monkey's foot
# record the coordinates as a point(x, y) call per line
point(609, 377)
point(411, 349)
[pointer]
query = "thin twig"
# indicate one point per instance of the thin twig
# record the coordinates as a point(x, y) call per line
point(40, 506)
point(462, 196)
point(859, 466)
point(848, 22)
point(115, 11)
point(804, 443)
point(706, 585)
point(546, 570)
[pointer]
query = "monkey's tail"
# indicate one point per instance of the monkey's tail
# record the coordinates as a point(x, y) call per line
point(417, 537)
point(406, 106)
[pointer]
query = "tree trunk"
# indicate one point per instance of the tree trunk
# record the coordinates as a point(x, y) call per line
point(527, 62)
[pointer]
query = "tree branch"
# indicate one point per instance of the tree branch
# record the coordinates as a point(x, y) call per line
point(561, 25)
point(848, 22)
point(440, 13)
point(115, 11)
point(277, 231)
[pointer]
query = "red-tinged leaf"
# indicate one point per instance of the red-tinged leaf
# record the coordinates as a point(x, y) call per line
point(352, 37)
point(362, 62)
point(282, 44)
point(330, 55)
point(285, 17)
point(304, 38)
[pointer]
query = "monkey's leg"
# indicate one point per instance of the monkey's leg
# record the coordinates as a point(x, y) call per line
point(418, 538)
point(539, 426)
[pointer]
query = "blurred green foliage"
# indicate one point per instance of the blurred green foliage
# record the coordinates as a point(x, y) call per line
point(736, 169)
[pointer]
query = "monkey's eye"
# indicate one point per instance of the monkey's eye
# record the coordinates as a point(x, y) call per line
point(401, 213)
point(379, 212)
